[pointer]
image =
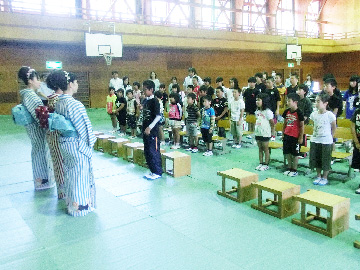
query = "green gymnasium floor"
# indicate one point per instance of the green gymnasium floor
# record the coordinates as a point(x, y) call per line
point(163, 224)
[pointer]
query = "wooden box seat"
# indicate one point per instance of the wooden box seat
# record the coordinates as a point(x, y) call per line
point(283, 197)
point(244, 190)
point(116, 148)
point(102, 143)
point(139, 157)
point(357, 243)
point(337, 219)
point(129, 150)
point(181, 163)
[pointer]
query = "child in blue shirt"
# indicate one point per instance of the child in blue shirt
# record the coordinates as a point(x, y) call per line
point(207, 124)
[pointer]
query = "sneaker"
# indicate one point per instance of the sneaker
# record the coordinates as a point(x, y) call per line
point(287, 172)
point(248, 137)
point(293, 174)
point(272, 138)
point(238, 146)
point(264, 168)
point(148, 176)
point(357, 191)
point(208, 153)
point(195, 150)
point(323, 182)
point(233, 146)
point(189, 149)
point(258, 167)
point(317, 180)
point(154, 176)
point(175, 147)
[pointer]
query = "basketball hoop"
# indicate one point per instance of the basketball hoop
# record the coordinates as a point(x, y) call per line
point(108, 58)
point(298, 60)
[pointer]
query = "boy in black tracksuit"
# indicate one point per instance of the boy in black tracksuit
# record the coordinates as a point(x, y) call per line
point(150, 129)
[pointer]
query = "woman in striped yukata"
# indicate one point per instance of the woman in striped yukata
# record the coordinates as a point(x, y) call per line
point(52, 137)
point(30, 100)
point(76, 151)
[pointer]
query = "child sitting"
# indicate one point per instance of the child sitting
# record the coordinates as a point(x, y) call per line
point(293, 131)
point(111, 107)
point(175, 115)
point(121, 111)
point(131, 113)
point(355, 130)
point(236, 107)
point(263, 126)
point(207, 125)
point(192, 122)
point(322, 139)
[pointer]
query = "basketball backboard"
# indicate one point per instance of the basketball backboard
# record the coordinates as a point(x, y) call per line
point(100, 44)
point(293, 51)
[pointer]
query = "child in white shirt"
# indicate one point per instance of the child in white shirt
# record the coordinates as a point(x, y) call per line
point(237, 107)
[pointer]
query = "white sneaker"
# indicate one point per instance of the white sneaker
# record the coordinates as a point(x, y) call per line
point(317, 180)
point(189, 149)
point(272, 139)
point(258, 167)
point(195, 150)
point(148, 176)
point(357, 191)
point(154, 176)
point(208, 153)
point(264, 168)
point(323, 182)
point(287, 172)
point(238, 146)
point(175, 147)
point(248, 137)
point(233, 146)
point(293, 174)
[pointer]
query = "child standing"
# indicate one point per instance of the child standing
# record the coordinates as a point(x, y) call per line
point(250, 95)
point(355, 131)
point(137, 92)
point(202, 94)
point(335, 101)
point(121, 111)
point(221, 109)
point(193, 115)
point(151, 117)
point(164, 96)
point(281, 88)
point(175, 115)
point(305, 105)
point(207, 125)
point(161, 124)
point(263, 126)
point(274, 102)
point(131, 113)
point(236, 107)
point(293, 131)
point(111, 107)
point(322, 139)
point(350, 96)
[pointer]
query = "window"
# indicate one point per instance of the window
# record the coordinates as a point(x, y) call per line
point(32, 6)
point(312, 27)
point(124, 10)
point(254, 15)
point(213, 14)
point(284, 15)
point(63, 7)
point(170, 13)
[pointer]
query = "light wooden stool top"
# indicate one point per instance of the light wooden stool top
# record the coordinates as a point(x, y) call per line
point(274, 185)
point(175, 154)
point(236, 174)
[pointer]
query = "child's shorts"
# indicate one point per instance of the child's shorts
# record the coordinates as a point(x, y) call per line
point(291, 145)
point(320, 156)
point(262, 139)
point(122, 119)
point(206, 136)
point(235, 129)
point(355, 164)
point(131, 121)
point(175, 124)
point(191, 129)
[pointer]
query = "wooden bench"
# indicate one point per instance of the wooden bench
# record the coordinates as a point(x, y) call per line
point(97, 134)
point(244, 190)
point(283, 200)
point(338, 208)
point(139, 157)
point(129, 149)
point(181, 163)
point(102, 142)
point(116, 148)
point(357, 243)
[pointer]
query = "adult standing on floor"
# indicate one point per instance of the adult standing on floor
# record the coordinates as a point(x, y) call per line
point(76, 151)
point(156, 81)
point(188, 79)
point(30, 100)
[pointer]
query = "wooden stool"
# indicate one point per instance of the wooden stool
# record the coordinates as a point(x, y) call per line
point(116, 148)
point(139, 157)
point(129, 149)
point(244, 190)
point(338, 208)
point(283, 197)
point(103, 142)
point(97, 134)
point(181, 163)
point(357, 243)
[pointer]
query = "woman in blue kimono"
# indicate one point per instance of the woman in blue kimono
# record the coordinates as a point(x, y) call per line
point(76, 151)
point(30, 100)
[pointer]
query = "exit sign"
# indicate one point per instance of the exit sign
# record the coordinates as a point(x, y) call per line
point(53, 65)
point(291, 64)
